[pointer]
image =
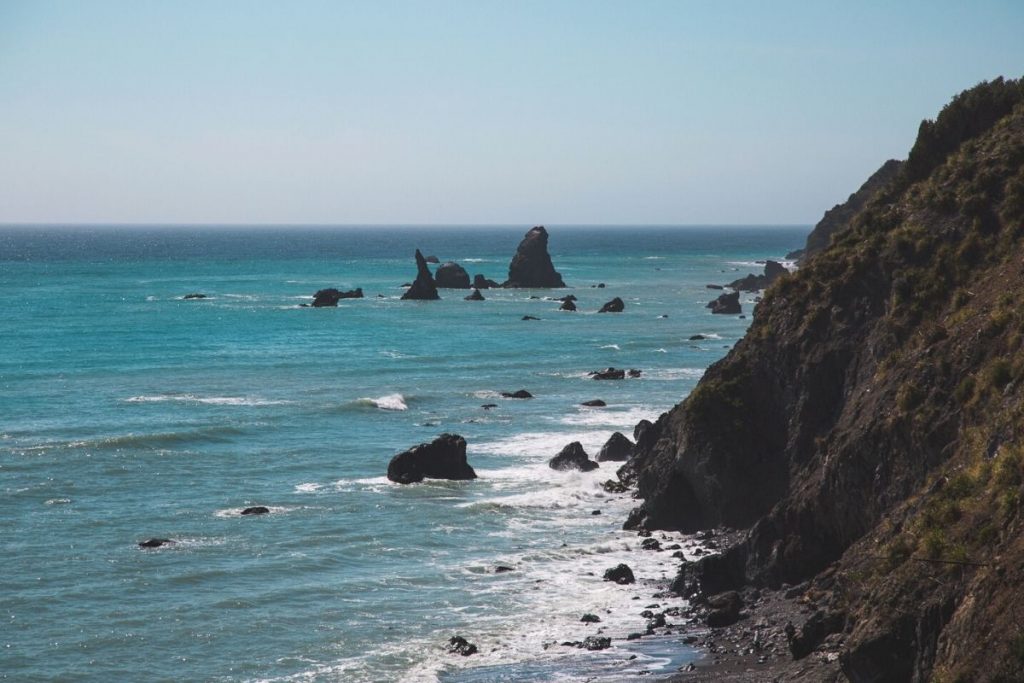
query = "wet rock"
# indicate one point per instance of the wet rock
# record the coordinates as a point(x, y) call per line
point(617, 448)
point(451, 275)
point(596, 643)
point(530, 317)
point(697, 337)
point(155, 542)
point(620, 573)
point(609, 373)
point(458, 645)
point(590, 618)
point(432, 259)
point(568, 297)
point(614, 306)
point(714, 286)
point(633, 372)
point(650, 544)
point(480, 282)
point(612, 486)
point(194, 295)
point(572, 457)
point(423, 287)
point(501, 569)
point(727, 304)
point(595, 512)
point(641, 427)
point(522, 393)
point(488, 406)
point(256, 510)
point(596, 403)
point(330, 296)
point(442, 458)
point(567, 306)
point(531, 266)
point(475, 296)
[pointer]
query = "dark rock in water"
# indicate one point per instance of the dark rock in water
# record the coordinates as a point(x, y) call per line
point(697, 337)
point(475, 296)
point(595, 512)
point(568, 297)
point(488, 406)
point(567, 306)
point(620, 573)
point(330, 296)
point(155, 543)
point(612, 486)
point(451, 275)
point(407, 284)
point(501, 569)
point(194, 295)
point(600, 285)
point(633, 372)
point(442, 458)
point(432, 259)
point(613, 306)
point(725, 609)
point(663, 316)
point(618, 447)
point(458, 645)
point(727, 304)
point(573, 457)
point(480, 282)
point(590, 619)
point(596, 643)
point(714, 286)
point(256, 510)
point(596, 403)
point(423, 288)
point(531, 266)
point(650, 544)
point(530, 317)
point(522, 393)
point(609, 373)
point(750, 283)
point(535, 297)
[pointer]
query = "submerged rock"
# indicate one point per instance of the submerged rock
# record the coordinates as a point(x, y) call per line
point(727, 304)
point(609, 373)
point(612, 486)
point(573, 457)
point(531, 266)
point(451, 275)
point(330, 296)
point(442, 458)
point(475, 296)
point(194, 295)
point(522, 393)
point(567, 305)
point(256, 510)
point(620, 573)
point(596, 403)
point(617, 448)
point(613, 306)
point(423, 287)
point(590, 619)
point(530, 317)
point(458, 645)
point(155, 542)
point(596, 643)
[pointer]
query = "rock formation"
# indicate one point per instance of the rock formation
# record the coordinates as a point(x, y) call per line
point(573, 457)
point(423, 287)
point(613, 306)
point(567, 305)
point(726, 304)
point(330, 297)
point(475, 296)
point(480, 282)
point(442, 458)
point(451, 275)
point(618, 447)
point(531, 266)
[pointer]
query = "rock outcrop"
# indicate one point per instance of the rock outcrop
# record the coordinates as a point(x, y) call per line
point(442, 458)
point(423, 287)
point(618, 448)
point(475, 296)
point(573, 457)
point(531, 266)
point(865, 431)
point(728, 304)
point(613, 306)
point(331, 296)
point(451, 275)
point(480, 282)
point(567, 305)
point(753, 283)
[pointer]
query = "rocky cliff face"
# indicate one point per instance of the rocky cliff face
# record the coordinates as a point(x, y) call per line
point(867, 428)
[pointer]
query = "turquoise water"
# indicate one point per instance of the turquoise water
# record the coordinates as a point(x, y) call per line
point(127, 413)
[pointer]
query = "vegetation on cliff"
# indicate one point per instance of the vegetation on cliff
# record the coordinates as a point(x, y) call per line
point(866, 428)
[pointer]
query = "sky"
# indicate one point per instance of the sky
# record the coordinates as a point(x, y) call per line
point(473, 112)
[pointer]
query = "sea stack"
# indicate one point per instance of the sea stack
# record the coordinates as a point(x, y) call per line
point(423, 287)
point(451, 275)
point(442, 458)
point(531, 266)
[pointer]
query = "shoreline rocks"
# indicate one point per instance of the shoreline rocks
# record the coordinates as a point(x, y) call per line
point(442, 458)
point(423, 287)
point(620, 574)
point(531, 266)
point(727, 304)
point(618, 448)
point(573, 457)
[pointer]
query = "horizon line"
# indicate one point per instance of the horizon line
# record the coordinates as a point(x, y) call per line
point(123, 224)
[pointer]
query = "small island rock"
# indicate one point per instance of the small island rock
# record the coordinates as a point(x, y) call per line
point(442, 458)
point(451, 275)
point(573, 457)
point(423, 287)
point(617, 448)
point(613, 306)
point(531, 266)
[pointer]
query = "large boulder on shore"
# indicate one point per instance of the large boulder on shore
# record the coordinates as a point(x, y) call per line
point(531, 266)
point(573, 457)
point(480, 282)
point(442, 458)
point(423, 287)
point(726, 304)
point(451, 275)
point(618, 448)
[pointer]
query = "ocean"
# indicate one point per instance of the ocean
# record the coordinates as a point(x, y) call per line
point(127, 412)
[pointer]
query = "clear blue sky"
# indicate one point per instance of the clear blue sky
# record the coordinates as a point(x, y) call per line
point(474, 111)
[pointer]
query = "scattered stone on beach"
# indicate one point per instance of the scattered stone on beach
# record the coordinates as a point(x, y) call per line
point(256, 510)
point(531, 266)
point(567, 305)
point(726, 304)
point(475, 296)
point(530, 317)
point(573, 457)
point(432, 259)
point(596, 403)
point(589, 618)
point(488, 406)
point(329, 297)
point(614, 306)
point(596, 643)
point(442, 458)
point(697, 337)
point(522, 393)
point(194, 295)
point(423, 287)
point(480, 282)
point(458, 645)
point(612, 486)
point(618, 448)
point(620, 574)
point(451, 275)
point(156, 542)
point(608, 373)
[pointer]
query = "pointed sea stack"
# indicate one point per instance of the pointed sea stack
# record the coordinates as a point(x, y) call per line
point(423, 287)
point(531, 266)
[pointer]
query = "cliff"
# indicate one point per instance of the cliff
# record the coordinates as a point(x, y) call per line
point(866, 430)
